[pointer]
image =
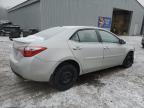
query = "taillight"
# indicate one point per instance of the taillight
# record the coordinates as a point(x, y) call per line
point(32, 51)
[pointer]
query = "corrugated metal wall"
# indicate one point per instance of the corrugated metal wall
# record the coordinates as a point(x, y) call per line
point(27, 17)
point(86, 12)
point(50, 13)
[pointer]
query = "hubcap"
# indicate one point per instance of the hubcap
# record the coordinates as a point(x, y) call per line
point(66, 77)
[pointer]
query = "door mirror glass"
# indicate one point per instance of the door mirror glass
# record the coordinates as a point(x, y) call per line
point(122, 41)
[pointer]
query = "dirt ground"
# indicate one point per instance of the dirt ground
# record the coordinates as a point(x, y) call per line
point(111, 88)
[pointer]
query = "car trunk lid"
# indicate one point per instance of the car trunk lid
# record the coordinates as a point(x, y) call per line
point(20, 43)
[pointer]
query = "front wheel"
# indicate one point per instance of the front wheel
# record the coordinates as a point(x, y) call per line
point(128, 60)
point(64, 77)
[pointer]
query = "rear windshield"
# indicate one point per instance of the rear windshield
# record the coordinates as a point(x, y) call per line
point(46, 34)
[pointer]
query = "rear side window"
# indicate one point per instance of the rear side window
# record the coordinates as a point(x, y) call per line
point(75, 38)
point(87, 36)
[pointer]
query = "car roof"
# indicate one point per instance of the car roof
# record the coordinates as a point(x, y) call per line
point(82, 27)
point(78, 27)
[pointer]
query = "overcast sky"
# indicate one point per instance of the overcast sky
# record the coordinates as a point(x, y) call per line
point(142, 2)
point(11, 3)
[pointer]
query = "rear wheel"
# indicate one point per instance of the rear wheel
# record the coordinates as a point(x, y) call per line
point(64, 77)
point(128, 60)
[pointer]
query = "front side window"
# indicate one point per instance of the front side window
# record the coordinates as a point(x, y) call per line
point(108, 37)
point(87, 36)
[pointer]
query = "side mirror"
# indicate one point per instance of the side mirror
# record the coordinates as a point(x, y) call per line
point(122, 41)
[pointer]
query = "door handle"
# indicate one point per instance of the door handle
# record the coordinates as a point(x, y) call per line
point(77, 48)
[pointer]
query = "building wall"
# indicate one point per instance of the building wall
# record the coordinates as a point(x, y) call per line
point(27, 17)
point(3, 13)
point(86, 12)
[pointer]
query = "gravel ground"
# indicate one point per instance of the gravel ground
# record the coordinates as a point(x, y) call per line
point(111, 88)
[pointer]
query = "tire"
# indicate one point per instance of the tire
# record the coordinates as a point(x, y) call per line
point(64, 77)
point(129, 60)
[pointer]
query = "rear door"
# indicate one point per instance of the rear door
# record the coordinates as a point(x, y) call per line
point(113, 51)
point(87, 49)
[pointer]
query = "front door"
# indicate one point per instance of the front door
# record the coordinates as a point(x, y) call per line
point(113, 51)
point(87, 49)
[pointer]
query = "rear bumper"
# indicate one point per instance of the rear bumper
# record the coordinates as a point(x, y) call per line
point(33, 69)
point(16, 73)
